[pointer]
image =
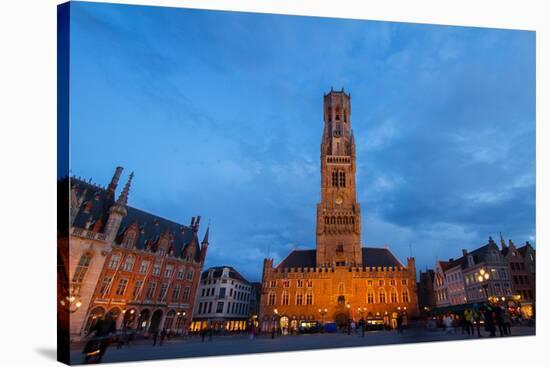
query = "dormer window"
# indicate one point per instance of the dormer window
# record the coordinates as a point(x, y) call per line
point(161, 251)
point(128, 240)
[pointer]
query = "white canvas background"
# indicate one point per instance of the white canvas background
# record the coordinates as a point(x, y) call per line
point(28, 181)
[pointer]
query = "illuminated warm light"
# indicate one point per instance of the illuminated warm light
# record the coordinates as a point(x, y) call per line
point(78, 304)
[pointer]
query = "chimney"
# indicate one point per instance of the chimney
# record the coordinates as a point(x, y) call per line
point(464, 252)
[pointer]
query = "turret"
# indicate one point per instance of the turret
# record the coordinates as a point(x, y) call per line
point(114, 181)
point(268, 266)
point(117, 212)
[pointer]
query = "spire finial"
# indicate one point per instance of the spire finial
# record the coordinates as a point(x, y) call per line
point(123, 198)
point(205, 239)
point(502, 242)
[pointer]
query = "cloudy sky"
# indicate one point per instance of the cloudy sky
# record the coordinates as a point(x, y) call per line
point(219, 114)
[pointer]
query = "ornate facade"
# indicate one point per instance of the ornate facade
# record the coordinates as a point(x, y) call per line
point(122, 263)
point(340, 279)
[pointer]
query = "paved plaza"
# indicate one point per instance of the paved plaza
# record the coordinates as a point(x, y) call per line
point(240, 344)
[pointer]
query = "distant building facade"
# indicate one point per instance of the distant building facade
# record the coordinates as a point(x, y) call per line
point(223, 300)
point(136, 268)
point(521, 263)
point(486, 259)
point(503, 276)
point(426, 292)
point(339, 280)
point(449, 283)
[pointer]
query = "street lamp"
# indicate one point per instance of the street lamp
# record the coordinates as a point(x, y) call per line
point(71, 304)
point(484, 277)
point(276, 322)
point(349, 318)
point(323, 312)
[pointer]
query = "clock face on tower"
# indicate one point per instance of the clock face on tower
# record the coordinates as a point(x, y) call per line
point(339, 200)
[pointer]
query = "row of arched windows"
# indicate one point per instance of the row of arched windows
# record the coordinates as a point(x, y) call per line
point(300, 298)
point(340, 220)
point(393, 297)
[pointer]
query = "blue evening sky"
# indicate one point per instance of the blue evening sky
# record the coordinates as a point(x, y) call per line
point(219, 114)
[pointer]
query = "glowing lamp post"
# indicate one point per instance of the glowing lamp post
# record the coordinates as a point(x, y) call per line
point(71, 304)
point(323, 312)
point(484, 277)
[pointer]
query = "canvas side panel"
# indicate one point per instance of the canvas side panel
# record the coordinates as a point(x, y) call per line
point(63, 46)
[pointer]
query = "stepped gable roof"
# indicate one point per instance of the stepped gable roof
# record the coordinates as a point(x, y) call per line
point(372, 257)
point(150, 226)
point(218, 271)
point(523, 249)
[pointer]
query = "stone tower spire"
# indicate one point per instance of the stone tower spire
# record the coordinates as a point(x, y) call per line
point(123, 198)
point(204, 244)
point(338, 213)
point(117, 212)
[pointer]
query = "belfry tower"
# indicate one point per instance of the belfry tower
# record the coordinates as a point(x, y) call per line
point(338, 213)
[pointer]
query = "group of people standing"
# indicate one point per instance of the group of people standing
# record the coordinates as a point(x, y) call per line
point(470, 321)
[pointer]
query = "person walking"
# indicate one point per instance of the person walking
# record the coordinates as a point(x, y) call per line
point(472, 321)
point(498, 320)
point(203, 334)
point(477, 316)
point(399, 323)
point(362, 325)
point(155, 337)
point(162, 336)
point(489, 321)
point(506, 323)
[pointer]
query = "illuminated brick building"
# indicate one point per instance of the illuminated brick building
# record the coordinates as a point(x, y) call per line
point(123, 263)
point(340, 279)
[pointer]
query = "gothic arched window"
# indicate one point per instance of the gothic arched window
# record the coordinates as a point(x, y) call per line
point(382, 296)
point(370, 296)
point(82, 268)
point(405, 295)
point(393, 296)
point(285, 298)
point(335, 178)
point(342, 182)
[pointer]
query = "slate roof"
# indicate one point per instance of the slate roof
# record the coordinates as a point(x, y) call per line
point(372, 257)
point(446, 265)
point(95, 208)
point(218, 270)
